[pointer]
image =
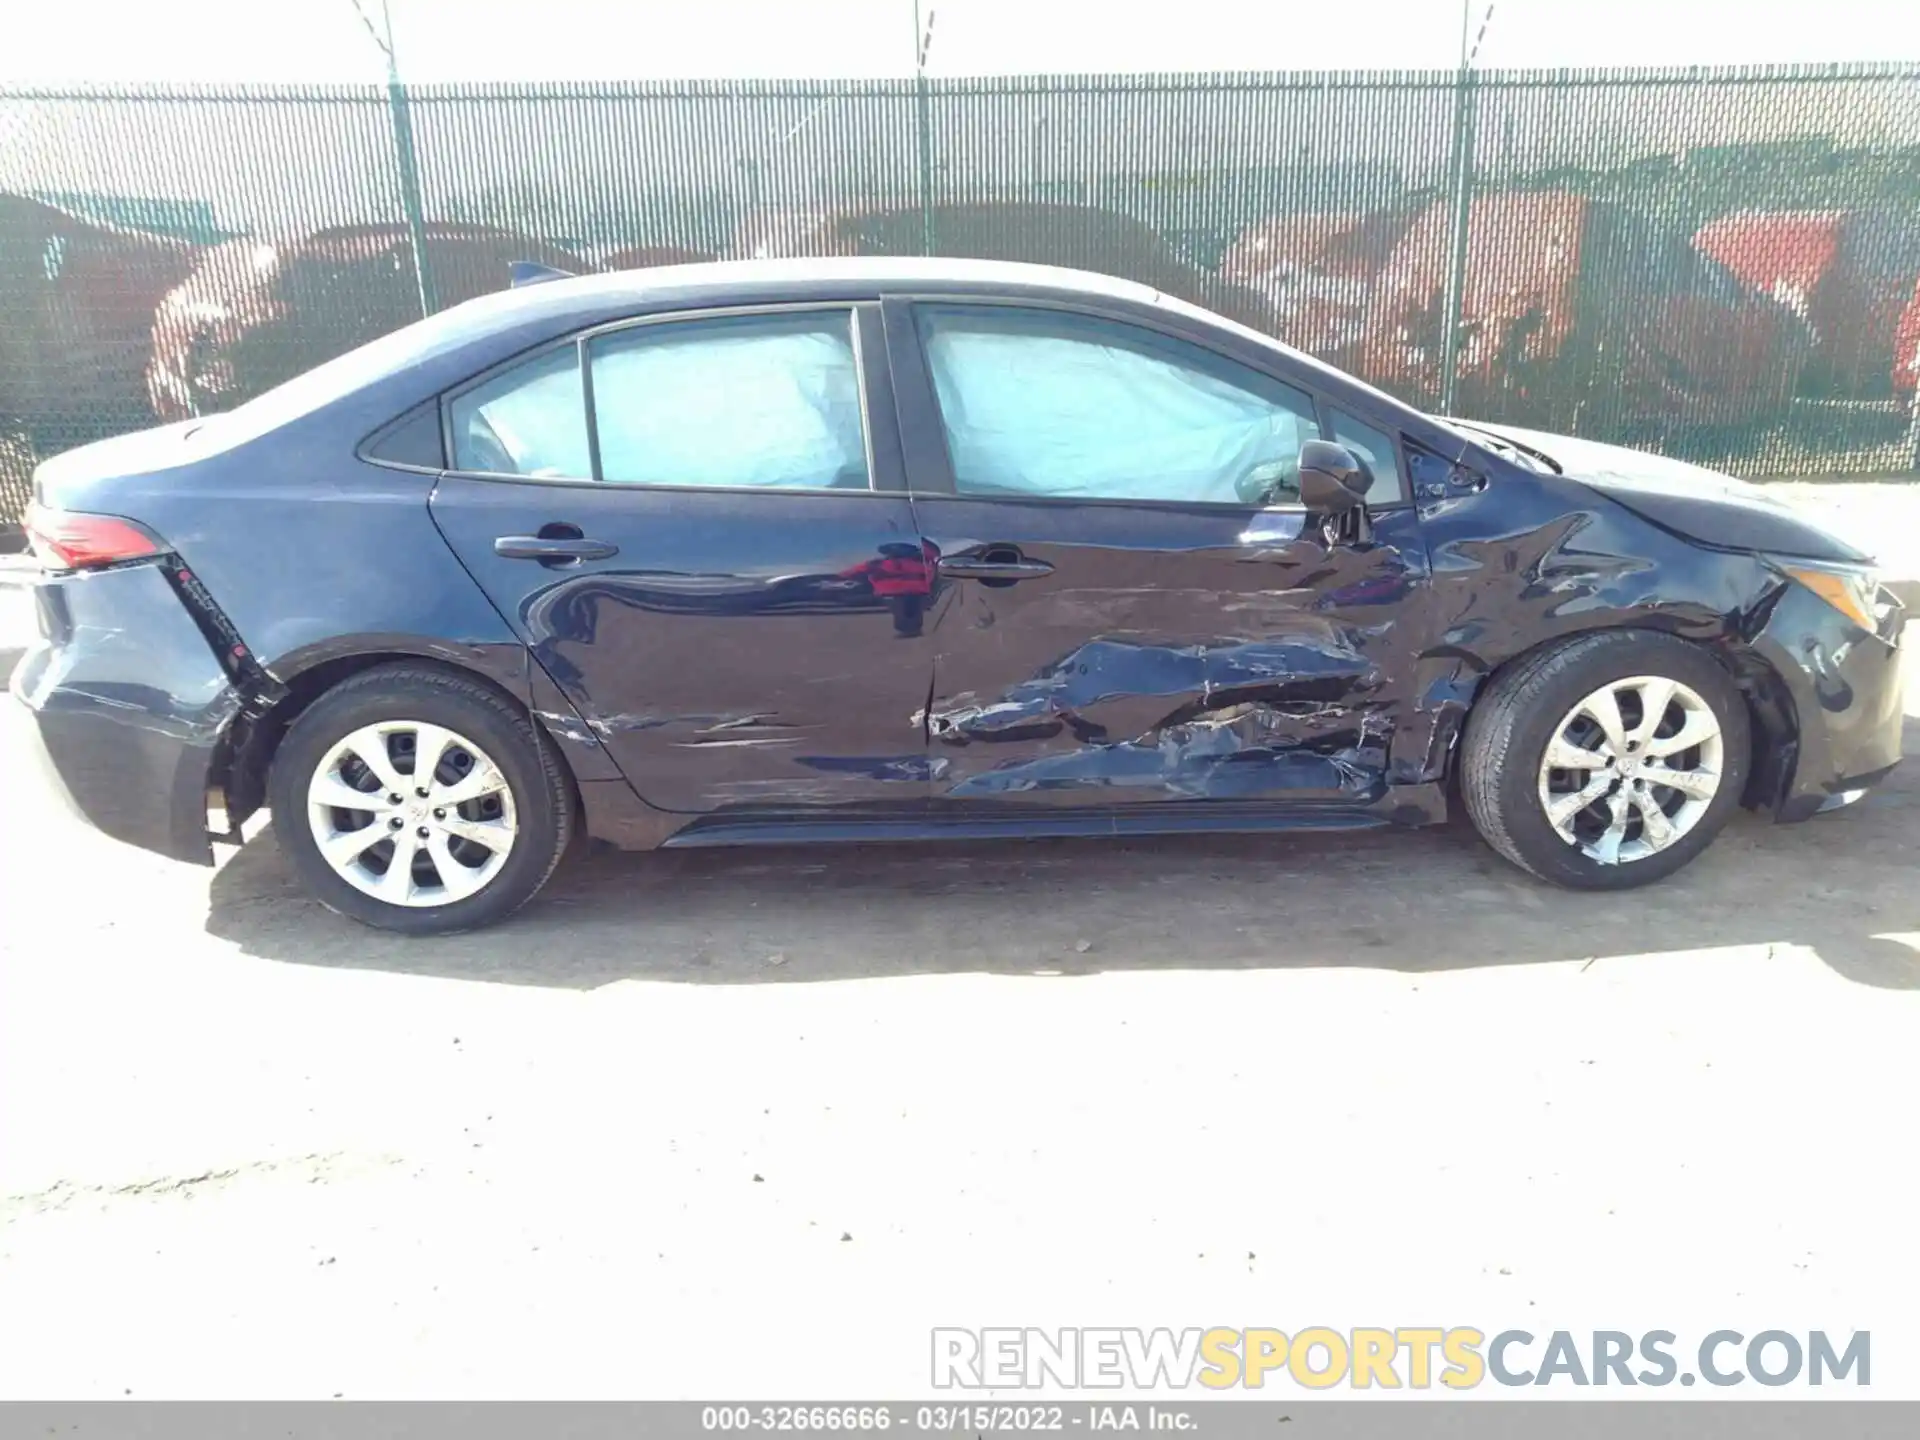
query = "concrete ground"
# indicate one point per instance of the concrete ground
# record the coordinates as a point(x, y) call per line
point(750, 1124)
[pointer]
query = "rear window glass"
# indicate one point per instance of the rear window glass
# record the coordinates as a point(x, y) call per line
point(530, 420)
point(753, 400)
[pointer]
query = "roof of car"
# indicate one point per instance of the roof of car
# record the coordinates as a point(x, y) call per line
point(725, 282)
point(725, 277)
point(582, 299)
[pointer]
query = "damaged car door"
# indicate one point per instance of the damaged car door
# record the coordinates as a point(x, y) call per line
point(1131, 604)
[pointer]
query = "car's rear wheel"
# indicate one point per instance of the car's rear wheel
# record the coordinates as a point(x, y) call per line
point(420, 801)
point(1608, 761)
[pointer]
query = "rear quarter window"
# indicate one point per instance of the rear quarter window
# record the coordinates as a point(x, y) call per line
point(530, 420)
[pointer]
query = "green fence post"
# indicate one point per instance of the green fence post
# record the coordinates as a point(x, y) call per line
point(923, 119)
point(410, 191)
point(1461, 183)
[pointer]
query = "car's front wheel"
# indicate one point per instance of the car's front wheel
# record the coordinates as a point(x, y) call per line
point(419, 801)
point(1608, 761)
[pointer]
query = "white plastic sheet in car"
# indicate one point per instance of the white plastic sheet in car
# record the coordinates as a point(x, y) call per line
point(532, 420)
point(1056, 406)
point(771, 401)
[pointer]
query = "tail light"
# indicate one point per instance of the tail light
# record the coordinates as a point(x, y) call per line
point(71, 540)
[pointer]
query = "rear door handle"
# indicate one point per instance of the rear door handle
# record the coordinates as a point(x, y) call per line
point(537, 547)
point(993, 565)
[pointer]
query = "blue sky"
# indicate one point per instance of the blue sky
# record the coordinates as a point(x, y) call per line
point(454, 40)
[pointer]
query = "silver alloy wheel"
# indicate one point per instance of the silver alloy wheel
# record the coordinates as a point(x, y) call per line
point(411, 813)
point(1631, 768)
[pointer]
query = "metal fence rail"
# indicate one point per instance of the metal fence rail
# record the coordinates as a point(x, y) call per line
point(1724, 263)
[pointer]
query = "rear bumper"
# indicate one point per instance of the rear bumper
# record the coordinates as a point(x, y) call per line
point(127, 708)
point(1848, 695)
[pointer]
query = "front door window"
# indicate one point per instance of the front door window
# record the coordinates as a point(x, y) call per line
point(1046, 404)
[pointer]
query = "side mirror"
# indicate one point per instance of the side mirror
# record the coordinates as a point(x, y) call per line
point(1331, 480)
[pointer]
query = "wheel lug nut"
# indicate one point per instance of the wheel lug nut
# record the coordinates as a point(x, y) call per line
point(393, 799)
point(439, 814)
point(423, 832)
point(421, 792)
point(395, 823)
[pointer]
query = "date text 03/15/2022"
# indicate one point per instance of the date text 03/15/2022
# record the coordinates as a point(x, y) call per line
point(948, 1418)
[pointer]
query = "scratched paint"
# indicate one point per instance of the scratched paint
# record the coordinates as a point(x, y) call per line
point(1173, 655)
point(1234, 719)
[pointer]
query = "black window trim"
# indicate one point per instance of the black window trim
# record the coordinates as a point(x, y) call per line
point(927, 456)
point(368, 448)
point(875, 387)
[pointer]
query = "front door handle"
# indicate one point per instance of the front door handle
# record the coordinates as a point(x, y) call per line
point(546, 549)
point(1005, 566)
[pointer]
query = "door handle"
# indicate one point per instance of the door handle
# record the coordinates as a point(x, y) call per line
point(1004, 565)
point(548, 550)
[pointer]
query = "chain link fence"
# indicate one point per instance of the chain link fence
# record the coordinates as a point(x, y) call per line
point(1721, 263)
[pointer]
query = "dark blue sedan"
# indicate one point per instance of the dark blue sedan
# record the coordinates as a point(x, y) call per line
point(887, 550)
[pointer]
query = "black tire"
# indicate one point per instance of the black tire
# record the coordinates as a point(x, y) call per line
point(1508, 730)
point(542, 795)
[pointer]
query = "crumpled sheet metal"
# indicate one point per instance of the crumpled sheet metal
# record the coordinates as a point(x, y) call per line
point(1208, 720)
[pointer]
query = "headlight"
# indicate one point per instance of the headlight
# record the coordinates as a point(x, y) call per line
point(1851, 589)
